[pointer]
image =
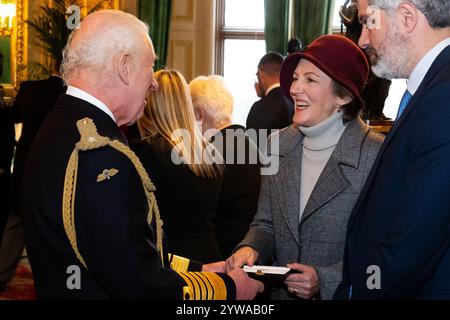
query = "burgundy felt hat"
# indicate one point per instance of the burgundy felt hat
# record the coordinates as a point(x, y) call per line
point(338, 57)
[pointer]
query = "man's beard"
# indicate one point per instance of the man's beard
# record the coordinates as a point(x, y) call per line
point(392, 59)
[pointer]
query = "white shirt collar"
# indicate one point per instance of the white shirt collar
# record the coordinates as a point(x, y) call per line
point(83, 95)
point(276, 85)
point(424, 64)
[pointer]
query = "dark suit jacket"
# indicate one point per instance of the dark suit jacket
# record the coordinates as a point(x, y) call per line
point(113, 235)
point(187, 203)
point(6, 153)
point(240, 187)
point(7, 139)
point(401, 222)
point(273, 111)
point(33, 103)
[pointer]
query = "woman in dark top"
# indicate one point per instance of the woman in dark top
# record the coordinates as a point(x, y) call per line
point(184, 167)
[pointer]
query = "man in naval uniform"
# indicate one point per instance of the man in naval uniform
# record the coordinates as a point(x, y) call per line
point(92, 227)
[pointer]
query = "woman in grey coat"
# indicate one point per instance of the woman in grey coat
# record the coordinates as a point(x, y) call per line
point(324, 160)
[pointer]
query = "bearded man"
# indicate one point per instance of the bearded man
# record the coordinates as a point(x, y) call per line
point(398, 237)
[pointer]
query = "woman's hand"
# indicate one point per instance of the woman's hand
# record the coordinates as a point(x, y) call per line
point(304, 284)
point(243, 256)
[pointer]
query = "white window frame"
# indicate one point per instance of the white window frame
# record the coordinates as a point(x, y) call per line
point(337, 29)
point(223, 33)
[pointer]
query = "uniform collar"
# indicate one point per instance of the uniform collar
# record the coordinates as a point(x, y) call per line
point(83, 95)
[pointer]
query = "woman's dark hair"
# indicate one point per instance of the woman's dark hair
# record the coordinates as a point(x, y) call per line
point(294, 45)
point(350, 110)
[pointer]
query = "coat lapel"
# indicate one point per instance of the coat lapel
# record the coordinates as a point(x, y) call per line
point(286, 183)
point(332, 181)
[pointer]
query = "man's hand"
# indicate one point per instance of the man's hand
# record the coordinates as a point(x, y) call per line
point(243, 256)
point(304, 284)
point(246, 287)
point(214, 267)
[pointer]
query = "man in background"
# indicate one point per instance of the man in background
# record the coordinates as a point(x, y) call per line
point(273, 110)
point(6, 154)
point(7, 141)
point(33, 103)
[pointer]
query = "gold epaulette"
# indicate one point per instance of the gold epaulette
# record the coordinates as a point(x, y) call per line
point(203, 286)
point(178, 264)
point(90, 140)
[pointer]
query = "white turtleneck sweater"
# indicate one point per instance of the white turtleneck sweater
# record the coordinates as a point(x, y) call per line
point(318, 145)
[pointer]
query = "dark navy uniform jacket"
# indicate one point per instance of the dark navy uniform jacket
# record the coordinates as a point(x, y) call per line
point(113, 235)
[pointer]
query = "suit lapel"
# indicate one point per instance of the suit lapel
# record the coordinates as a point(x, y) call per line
point(332, 181)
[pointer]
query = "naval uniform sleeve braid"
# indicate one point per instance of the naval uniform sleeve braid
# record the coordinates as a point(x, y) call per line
point(181, 264)
point(208, 286)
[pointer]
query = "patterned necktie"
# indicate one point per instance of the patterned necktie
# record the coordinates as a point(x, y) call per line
point(403, 103)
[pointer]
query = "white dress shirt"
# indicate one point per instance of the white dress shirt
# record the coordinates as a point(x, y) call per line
point(424, 64)
point(276, 85)
point(83, 95)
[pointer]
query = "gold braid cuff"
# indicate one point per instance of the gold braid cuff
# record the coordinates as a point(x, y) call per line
point(178, 263)
point(90, 140)
point(203, 286)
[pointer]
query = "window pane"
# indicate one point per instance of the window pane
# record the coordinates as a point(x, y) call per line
point(336, 19)
point(246, 14)
point(240, 66)
point(392, 102)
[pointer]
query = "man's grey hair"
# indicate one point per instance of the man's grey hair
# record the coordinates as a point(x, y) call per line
point(119, 33)
point(212, 95)
point(437, 12)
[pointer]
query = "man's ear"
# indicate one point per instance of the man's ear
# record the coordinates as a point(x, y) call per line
point(409, 16)
point(125, 68)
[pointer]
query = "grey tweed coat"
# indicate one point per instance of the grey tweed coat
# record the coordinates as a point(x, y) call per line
point(318, 239)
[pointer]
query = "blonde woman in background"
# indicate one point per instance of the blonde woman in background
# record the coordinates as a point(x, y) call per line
point(185, 168)
point(213, 106)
